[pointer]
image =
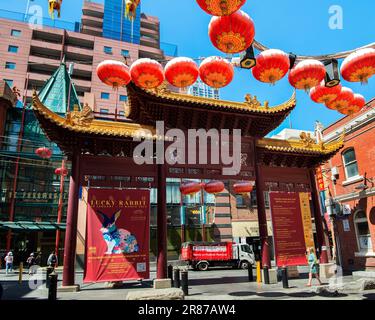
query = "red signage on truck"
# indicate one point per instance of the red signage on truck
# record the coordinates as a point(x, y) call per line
point(203, 255)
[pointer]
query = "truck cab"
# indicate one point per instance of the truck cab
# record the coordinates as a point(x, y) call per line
point(243, 254)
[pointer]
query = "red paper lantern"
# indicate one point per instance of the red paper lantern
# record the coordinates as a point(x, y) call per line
point(214, 187)
point(147, 73)
point(216, 72)
point(44, 153)
point(181, 72)
point(355, 106)
point(190, 188)
point(243, 187)
point(232, 34)
point(272, 65)
point(221, 7)
point(323, 94)
point(307, 74)
point(343, 100)
point(113, 73)
point(359, 66)
point(61, 171)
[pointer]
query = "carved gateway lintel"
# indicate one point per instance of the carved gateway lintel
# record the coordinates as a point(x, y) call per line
point(80, 118)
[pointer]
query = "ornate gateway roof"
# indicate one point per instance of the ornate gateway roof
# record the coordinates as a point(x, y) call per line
point(189, 112)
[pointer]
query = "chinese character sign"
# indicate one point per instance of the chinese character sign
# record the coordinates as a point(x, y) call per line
point(319, 177)
point(117, 235)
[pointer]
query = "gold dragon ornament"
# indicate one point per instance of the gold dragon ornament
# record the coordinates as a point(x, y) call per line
point(54, 5)
point(131, 8)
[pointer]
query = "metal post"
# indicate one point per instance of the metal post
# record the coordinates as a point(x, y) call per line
point(284, 273)
point(49, 271)
point(176, 277)
point(250, 272)
point(185, 282)
point(20, 272)
point(170, 272)
point(52, 290)
point(266, 275)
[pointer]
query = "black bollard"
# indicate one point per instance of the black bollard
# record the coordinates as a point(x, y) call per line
point(52, 289)
point(1, 291)
point(266, 275)
point(250, 272)
point(170, 272)
point(49, 271)
point(176, 277)
point(285, 277)
point(185, 282)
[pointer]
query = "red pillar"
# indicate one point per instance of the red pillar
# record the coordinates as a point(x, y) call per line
point(60, 207)
point(318, 219)
point(262, 217)
point(71, 224)
point(162, 224)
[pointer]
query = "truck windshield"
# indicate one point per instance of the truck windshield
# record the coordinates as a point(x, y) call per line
point(246, 248)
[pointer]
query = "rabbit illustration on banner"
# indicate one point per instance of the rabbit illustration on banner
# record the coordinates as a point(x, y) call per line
point(118, 240)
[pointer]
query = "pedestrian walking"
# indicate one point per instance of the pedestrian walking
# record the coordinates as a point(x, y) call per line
point(52, 260)
point(313, 267)
point(8, 262)
point(31, 262)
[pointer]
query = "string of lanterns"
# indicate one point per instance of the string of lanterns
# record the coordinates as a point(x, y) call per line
point(232, 31)
point(190, 188)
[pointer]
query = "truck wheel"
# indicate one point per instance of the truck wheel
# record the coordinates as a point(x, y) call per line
point(203, 266)
point(244, 265)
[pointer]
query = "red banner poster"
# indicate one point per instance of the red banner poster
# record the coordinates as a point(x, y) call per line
point(292, 228)
point(117, 235)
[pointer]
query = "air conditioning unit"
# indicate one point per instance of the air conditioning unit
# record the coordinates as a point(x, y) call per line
point(335, 172)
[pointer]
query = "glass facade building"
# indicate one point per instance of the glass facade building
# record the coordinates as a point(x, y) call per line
point(116, 26)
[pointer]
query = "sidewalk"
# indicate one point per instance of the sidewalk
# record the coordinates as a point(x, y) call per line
point(217, 284)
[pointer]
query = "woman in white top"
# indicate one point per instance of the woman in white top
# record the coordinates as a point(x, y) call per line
point(8, 262)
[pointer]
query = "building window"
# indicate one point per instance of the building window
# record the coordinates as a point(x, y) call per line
point(108, 50)
point(125, 53)
point(9, 82)
point(121, 113)
point(362, 231)
point(13, 49)
point(15, 33)
point(104, 111)
point(350, 163)
point(104, 95)
point(123, 98)
point(10, 65)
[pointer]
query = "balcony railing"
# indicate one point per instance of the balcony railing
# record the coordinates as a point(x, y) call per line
point(44, 22)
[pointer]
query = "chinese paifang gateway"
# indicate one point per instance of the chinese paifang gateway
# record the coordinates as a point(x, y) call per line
point(105, 148)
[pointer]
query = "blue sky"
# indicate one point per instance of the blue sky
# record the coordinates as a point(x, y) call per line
point(291, 25)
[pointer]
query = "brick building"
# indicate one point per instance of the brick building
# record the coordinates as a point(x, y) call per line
point(350, 181)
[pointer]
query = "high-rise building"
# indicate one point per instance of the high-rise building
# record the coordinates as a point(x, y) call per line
point(116, 26)
point(29, 56)
point(200, 89)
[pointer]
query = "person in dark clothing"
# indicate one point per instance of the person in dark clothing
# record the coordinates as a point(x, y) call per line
point(31, 262)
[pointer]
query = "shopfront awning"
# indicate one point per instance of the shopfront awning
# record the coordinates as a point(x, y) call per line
point(244, 229)
point(30, 226)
